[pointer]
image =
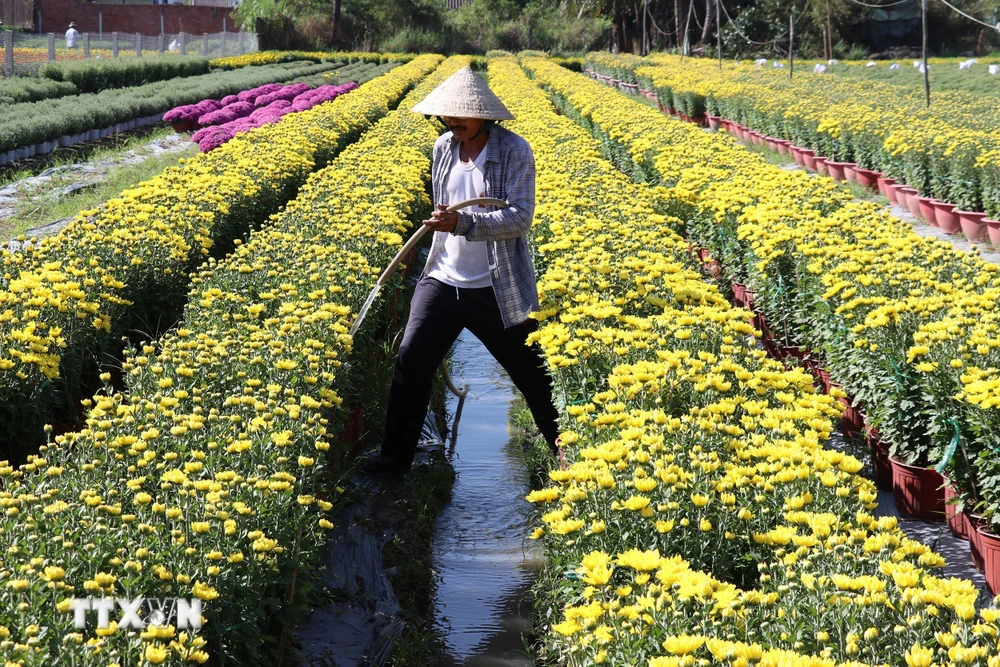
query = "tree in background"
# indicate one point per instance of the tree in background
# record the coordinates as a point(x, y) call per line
point(823, 28)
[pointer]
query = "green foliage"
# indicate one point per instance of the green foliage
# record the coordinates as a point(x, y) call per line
point(93, 75)
point(30, 89)
point(34, 122)
point(411, 39)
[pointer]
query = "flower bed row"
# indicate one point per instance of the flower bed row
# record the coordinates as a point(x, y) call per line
point(208, 478)
point(29, 89)
point(31, 128)
point(66, 302)
point(221, 120)
point(270, 57)
point(98, 74)
point(947, 151)
point(908, 329)
point(974, 225)
point(702, 515)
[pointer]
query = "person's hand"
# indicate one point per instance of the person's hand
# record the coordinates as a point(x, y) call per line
point(442, 220)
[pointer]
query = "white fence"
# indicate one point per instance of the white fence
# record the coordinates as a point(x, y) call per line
point(24, 54)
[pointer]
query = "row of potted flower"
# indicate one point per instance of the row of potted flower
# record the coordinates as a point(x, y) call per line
point(919, 490)
point(66, 140)
point(947, 151)
point(126, 264)
point(699, 518)
point(974, 225)
point(38, 127)
point(210, 477)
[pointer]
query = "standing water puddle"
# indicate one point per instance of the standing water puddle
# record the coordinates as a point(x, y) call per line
point(482, 559)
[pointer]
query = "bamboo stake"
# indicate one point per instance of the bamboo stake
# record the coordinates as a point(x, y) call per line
point(927, 75)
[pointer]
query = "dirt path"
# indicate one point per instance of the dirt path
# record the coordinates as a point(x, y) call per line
point(26, 204)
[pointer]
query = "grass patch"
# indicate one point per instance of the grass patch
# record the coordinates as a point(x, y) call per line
point(528, 441)
point(407, 558)
point(552, 587)
point(772, 157)
point(43, 209)
point(859, 191)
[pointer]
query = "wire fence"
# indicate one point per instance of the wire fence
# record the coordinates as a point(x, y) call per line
point(24, 54)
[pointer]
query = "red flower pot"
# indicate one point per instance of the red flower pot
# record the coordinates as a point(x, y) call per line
point(824, 379)
point(883, 187)
point(796, 154)
point(782, 145)
point(739, 293)
point(972, 225)
point(181, 126)
point(989, 551)
point(904, 194)
point(821, 167)
point(927, 211)
point(993, 230)
point(837, 170)
point(714, 122)
point(977, 525)
point(899, 190)
point(808, 158)
point(850, 419)
point(958, 524)
point(919, 491)
point(913, 202)
point(880, 458)
point(947, 217)
point(867, 178)
point(849, 171)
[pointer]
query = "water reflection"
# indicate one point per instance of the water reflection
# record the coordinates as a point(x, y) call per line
point(480, 553)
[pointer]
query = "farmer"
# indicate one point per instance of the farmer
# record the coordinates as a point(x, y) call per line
point(478, 274)
point(71, 36)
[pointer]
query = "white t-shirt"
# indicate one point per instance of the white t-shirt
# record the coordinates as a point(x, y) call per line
point(458, 262)
point(71, 36)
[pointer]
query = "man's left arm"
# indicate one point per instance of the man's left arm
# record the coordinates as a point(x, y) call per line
point(513, 221)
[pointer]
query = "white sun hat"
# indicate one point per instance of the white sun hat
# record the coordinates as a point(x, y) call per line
point(463, 95)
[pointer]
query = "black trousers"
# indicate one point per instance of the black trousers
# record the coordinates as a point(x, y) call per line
point(438, 314)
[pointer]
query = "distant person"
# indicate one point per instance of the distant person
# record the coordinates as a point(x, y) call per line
point(174, 46)
point(71, 36)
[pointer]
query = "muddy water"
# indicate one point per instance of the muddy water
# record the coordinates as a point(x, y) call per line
point(482, 559)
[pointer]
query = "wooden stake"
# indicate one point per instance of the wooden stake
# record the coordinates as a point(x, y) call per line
point(791, 43)
point(927, 74)
point(718, 32)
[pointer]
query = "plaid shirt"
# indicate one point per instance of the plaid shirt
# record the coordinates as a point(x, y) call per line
point(509, 174)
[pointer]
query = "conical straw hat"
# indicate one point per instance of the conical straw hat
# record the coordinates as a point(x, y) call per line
point(463, 95)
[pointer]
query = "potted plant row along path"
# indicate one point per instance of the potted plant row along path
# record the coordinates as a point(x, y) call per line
point(905, 324)
point(948, 152)
point(700, 514)
point(210, 477)
point(39, 127)
point(974, 225)
point(125, 266)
